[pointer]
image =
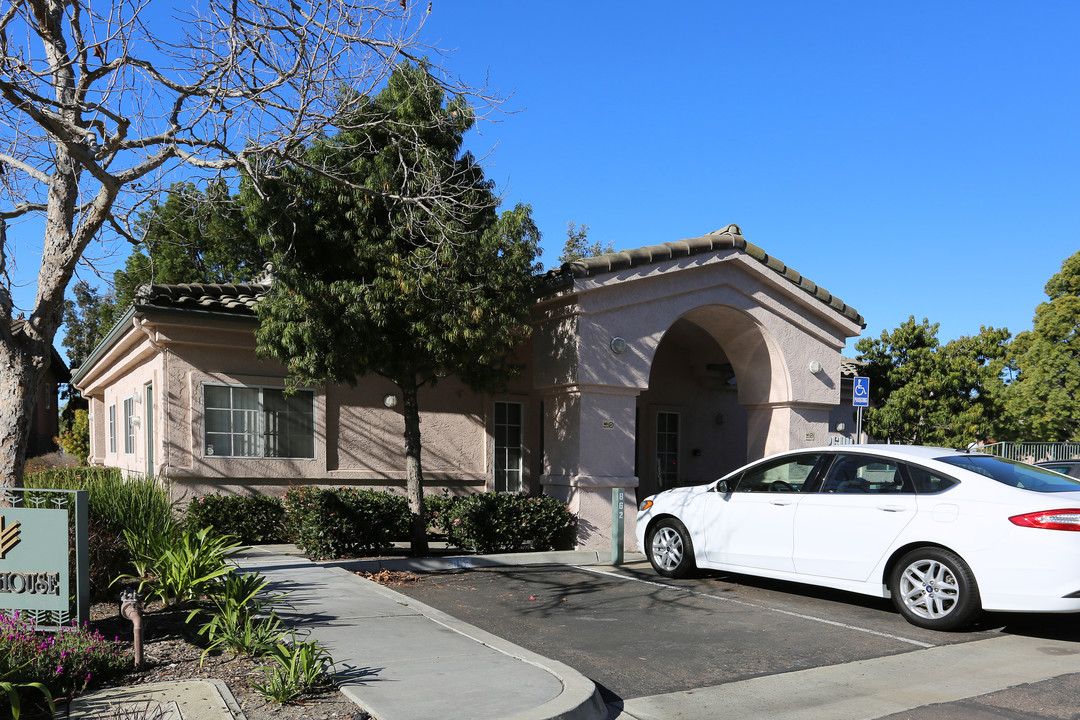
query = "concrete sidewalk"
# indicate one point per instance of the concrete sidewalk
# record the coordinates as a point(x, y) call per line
point(401, 660)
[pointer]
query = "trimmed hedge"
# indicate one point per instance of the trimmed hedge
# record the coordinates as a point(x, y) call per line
point(344, 522)
point(494, 522)
point(250, 518)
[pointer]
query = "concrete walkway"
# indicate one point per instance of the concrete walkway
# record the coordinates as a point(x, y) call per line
point(401, 660)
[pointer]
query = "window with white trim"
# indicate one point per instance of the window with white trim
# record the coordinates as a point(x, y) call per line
point(241, 421)
point(112, 429)
point(129, 425)
point(508, 451)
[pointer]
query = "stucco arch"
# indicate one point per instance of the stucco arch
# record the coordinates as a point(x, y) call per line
point(602, 331)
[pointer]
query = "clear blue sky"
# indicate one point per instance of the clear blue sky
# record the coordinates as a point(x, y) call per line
point(912, 158)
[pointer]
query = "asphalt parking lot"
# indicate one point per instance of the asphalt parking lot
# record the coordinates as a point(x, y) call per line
point(636, 634)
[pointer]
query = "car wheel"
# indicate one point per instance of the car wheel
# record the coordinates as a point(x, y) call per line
point(933, 588)
point(670, 550)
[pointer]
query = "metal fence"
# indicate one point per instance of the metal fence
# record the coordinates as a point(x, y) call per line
point(1033, 452)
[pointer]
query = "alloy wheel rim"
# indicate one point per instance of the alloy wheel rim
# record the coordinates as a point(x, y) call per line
point(929, 589)
point(667, 548)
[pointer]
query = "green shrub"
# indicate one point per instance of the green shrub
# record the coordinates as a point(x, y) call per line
point(296, 667)
point(238, 621)
point(496, 522)
point(75, 438)
point(251, 518)
point(181, 566)
point(114, 505)
point(344, 522)
point(138, 503)
point(435, 506)
point(65, 662)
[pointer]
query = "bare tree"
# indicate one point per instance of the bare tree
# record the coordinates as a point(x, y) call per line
point(102, 103)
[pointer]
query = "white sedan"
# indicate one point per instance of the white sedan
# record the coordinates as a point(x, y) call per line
point(944, 533)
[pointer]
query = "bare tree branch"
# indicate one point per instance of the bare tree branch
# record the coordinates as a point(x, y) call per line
point(103, 104)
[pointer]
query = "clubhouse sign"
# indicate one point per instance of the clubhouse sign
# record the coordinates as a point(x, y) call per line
point(34, 559)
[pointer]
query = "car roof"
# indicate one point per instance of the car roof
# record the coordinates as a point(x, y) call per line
point(918, 451)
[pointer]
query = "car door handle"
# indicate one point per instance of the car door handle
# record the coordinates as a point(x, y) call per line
point(782, 503)
point(892, 508)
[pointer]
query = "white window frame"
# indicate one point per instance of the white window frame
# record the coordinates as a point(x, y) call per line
point(260, 431)
point(112, 429)
point(129, 425)
point(508, 475)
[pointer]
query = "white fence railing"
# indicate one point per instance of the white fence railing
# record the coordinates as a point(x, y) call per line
point(1033, 452)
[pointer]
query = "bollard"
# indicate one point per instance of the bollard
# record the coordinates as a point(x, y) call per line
point(618, 509)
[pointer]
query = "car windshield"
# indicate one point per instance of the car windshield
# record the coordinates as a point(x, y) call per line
point(1016, 474)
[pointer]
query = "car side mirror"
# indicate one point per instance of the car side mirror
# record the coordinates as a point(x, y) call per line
point(722, 487)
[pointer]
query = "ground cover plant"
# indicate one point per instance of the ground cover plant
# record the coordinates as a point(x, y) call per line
point(63, 663)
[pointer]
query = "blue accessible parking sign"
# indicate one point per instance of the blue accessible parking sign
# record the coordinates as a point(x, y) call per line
point(860, 394)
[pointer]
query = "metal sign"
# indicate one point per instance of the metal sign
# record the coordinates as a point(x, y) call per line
point(860, 392)
point(37, 576)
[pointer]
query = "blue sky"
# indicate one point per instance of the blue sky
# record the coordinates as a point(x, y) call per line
point(913, 159)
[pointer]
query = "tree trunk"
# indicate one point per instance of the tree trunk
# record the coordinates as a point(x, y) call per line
point(22, 366)
point(414, 470)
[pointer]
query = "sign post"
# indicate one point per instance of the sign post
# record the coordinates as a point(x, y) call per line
point(860, 398)
point(618, 511)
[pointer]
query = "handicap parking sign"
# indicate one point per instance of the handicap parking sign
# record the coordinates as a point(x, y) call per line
point(860, 393)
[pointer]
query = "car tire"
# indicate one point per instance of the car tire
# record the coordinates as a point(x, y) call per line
point(934, 588)
point(670, 549)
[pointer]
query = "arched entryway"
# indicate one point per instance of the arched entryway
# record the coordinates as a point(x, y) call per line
point(711, 365)
point(699, 354)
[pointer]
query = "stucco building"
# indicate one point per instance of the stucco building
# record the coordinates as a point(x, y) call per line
point(647, 368)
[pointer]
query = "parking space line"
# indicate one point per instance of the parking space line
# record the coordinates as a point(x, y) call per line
point(802, 616)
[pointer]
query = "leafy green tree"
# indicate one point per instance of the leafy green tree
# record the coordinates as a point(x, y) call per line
point(195, 236)
point(87, 319)
point(373, 283)
point(75, 438)
point(925, 393)
point(1044, 397)
point(578, 246)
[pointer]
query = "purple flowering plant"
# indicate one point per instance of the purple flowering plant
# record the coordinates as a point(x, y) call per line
point(65, 662)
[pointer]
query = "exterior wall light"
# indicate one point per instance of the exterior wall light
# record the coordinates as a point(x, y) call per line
point(389, 400)
point(618, 345)
point(815, 367)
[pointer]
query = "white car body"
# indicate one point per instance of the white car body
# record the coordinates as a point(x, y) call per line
point(852, 541)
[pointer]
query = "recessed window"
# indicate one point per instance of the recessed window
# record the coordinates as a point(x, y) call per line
point(508, 450)
point(129, 425)
point(258, 422)
point(112, 429)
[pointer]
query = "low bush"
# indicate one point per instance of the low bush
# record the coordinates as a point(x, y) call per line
point(344, 522)
point(179, 566)
point(252, 519)
point(435, 506)
point(496, 522)
point(140, 504)
point(65, 662)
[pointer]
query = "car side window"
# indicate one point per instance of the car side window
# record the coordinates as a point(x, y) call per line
point(928, 483)
point(787, 474)
point(850, 474)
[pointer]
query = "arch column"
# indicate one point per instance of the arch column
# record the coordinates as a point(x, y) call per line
point(589, 449)
point(776, 427)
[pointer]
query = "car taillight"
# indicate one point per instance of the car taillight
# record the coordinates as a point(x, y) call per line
point(1049, 519)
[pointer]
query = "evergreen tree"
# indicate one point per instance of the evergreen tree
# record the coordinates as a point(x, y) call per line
point(371, 282)
point(1044, 397)
point(924, 393)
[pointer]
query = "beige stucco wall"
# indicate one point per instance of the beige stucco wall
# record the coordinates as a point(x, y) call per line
point(358, 440)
